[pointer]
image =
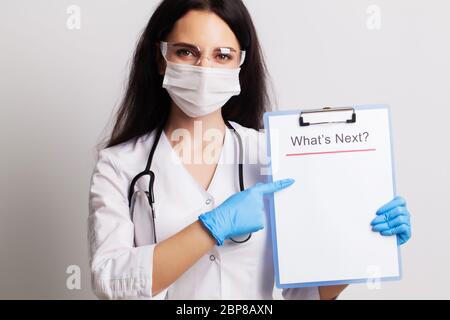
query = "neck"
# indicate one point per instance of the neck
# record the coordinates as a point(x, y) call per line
point(179, 120)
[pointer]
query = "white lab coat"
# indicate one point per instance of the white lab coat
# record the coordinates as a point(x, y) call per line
point(232, 271)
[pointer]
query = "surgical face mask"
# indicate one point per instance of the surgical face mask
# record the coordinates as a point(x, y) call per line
point(198, 91)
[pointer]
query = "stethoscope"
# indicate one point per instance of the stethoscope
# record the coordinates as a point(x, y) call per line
point(150, 194)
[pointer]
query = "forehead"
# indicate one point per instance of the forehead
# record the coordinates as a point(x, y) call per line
point(205, 29)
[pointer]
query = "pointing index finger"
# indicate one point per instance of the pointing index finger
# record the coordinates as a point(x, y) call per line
point(271, 187)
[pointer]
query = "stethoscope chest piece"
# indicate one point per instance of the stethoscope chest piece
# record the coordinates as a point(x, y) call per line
point(142, 210)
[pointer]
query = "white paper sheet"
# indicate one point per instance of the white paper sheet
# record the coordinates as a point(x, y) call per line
point(343, 173)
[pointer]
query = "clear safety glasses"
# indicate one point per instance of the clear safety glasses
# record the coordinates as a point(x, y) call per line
point(186, 53)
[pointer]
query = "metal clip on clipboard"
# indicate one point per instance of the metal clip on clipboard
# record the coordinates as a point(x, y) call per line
point(327, 109)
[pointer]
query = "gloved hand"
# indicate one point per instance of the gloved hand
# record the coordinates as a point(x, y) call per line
point(242, 213)
point(393, 218)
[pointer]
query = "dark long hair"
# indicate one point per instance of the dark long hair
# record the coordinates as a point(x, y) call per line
point(146, 105)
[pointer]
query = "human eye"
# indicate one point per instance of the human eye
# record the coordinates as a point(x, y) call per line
point(185, 53)
point(224, 57)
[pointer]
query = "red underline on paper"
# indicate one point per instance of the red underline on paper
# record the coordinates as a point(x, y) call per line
point(327, 152)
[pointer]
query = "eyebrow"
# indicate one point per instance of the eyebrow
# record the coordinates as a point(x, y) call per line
point(193, 46)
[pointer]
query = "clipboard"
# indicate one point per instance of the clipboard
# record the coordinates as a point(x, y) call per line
point(343, 162)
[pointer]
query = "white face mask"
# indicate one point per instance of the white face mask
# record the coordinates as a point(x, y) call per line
point(198, 91)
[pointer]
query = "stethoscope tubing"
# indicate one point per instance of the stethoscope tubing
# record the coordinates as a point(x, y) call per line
point(147, 171)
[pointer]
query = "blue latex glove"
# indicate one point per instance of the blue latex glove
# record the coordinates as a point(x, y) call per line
point(242, 213)
point(393, 219)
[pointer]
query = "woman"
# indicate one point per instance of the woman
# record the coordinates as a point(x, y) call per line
point(198, 74)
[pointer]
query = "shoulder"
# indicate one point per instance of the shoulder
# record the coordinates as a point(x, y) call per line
point(250, 136)
point(255, 154)
point(127, 156)
point(248, 132)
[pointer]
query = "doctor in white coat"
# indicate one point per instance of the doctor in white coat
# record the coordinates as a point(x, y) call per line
point(194, 102)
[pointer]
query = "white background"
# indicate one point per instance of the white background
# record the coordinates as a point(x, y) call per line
point(59, 88)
